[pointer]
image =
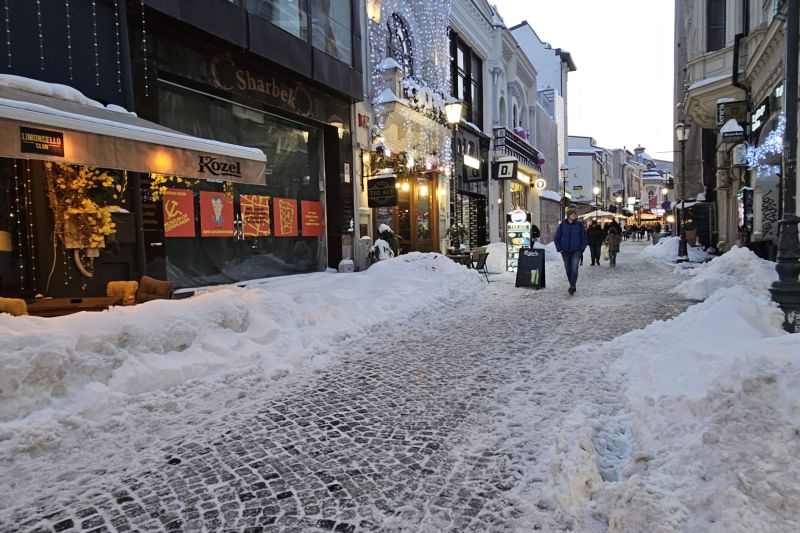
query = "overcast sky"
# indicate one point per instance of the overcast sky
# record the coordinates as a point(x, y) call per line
point(621, 93)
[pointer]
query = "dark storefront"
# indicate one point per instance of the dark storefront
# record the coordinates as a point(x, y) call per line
point(469, 200)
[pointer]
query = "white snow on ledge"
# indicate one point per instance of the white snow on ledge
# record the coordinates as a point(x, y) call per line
point(56, 90)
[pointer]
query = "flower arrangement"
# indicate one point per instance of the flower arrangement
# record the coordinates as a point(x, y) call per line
point(82, 199)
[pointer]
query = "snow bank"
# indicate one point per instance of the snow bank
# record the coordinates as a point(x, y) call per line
point(496, 262)
point(713, 402)
point(83, 365)
point(667, 250)
point(739, 266)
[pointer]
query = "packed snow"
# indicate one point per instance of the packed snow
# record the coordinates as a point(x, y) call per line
point(693, 424)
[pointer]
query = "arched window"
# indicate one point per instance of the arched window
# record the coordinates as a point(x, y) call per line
point(501, 112)
point(398, 43)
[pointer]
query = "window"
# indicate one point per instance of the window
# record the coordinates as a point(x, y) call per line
point(467, 76)
point(398, 43)
point(288, 15)
point(331, 28)
point(715, 25)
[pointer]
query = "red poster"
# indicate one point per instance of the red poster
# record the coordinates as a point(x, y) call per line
point(216, 215)
point(312, 218)
point(255, 215)
point(285, 217)
point(178, 213)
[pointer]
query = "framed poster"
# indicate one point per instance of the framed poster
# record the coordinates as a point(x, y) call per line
point(216, 214)
point(285, 217)
point(312, 218)
point(255, 215)
point(178, 205)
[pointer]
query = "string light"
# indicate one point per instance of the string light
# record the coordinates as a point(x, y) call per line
point(761, 157)
point(116, 32)
point(69, 40)
point(144, 51)
point(8, 34)
point(41, 37)
point(96, 54)
point(29, 217)
point(19, 227)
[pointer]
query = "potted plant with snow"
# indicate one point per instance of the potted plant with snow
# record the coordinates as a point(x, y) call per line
point(457, 235)
point(385, 247)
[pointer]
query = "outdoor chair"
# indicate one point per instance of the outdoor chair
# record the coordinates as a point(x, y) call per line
point(124, 289)
point(153, 289)
point(480, 266)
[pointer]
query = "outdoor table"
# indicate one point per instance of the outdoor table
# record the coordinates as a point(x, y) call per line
point(462, 259)
point(50, 307)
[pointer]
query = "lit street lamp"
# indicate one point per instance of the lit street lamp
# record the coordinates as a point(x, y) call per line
point(682, 134)
point(786, 291)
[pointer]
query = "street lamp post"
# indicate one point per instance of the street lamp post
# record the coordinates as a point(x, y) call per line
point(786, 291)
point(596, 191)
point(564, 174)
point(452, 112)
point(682, 134)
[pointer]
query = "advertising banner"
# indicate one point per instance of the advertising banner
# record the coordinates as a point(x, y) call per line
point(530, 269)
point(178, 207)
point(255, 215)
point(285, 217)
point(216, 214)
point(381, 192)
point(312, 218)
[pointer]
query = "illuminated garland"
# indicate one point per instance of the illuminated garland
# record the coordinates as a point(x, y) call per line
point(760, 157)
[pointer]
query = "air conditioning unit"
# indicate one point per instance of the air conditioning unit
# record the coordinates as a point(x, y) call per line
point(739, 155)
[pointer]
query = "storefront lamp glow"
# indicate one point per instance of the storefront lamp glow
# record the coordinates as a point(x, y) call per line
point(472, 162)
point(596, 190)
point(410, 161)
point(665, 191)
point(618, 199)
point(524, 178)
point(161, 162)
point(339, 129)
point(453, 112)
point(423, 191)
point(374, 10)
point(305, 137)
point(670, 219)
point(405, 187)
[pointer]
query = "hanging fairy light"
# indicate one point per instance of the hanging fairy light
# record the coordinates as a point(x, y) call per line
point(19, 228)
point(144, 51)
point(119, 53)
point(8, 32)
point(69, 40)
point(96, 50)
point(29, 225)
point(41, 35)
point(761, 157)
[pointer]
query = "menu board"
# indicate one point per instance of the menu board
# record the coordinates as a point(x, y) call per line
point(518, 236)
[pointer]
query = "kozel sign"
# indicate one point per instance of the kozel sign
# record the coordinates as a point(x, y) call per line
point(215, 167)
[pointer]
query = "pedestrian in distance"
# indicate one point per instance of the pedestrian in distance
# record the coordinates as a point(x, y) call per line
point(571, 241)
point(595, 236)
point(612, 241)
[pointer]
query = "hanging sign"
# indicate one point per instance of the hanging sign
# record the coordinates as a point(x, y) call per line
point(504, 170)
point(381, 192)
point(540, 184)
point(311, 213)
point(45, 142)
point(285, 217)
point(178, 205)
point(216, 214)
point(255, 215)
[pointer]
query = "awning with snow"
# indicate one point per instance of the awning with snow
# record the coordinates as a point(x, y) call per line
point(57, 123)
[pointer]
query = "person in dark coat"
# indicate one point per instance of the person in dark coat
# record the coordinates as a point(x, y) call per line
point(570, 242)
point(595, 237)
point(612, 241)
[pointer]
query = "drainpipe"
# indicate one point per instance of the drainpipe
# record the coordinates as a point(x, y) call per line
point(134, 177)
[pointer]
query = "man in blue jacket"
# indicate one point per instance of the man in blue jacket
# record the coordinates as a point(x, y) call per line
point(571, 241)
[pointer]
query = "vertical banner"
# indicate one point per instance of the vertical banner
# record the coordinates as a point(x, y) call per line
point(285, 217)
point(255, 215)
point(216, 214)
point(178, 207)
point(312, 218)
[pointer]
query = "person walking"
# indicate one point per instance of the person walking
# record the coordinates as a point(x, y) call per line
point(570, 242)
point(595, 237)
point(612, 240)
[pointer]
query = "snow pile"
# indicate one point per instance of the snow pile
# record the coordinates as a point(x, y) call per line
point(713, 402)
point(84, 365)
point(667, 250)
point(496, 262)
point(739, 266)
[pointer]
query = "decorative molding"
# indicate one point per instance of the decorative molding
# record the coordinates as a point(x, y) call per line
point(525, 76)
point(508, 53)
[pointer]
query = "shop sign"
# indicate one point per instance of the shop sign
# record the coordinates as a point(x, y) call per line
point(216, 214)
point(255, 215)
point(729, 110)
point(312, 218)
point(540, 184)
point(226, 75)
point(518, 216)
point(285, 217)
point(760, 115)
point(381, 192)
point(211, 165)
point(45, 142)
point(504, 170)
point(178, 205)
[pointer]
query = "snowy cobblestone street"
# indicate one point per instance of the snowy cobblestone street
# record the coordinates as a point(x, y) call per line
point(424, 425)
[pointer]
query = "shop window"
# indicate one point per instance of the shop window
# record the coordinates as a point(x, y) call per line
point(398, 43)
point(288, 15)
point(715, 25)
point(331, 28)
point(282, 244)
point(15, 228)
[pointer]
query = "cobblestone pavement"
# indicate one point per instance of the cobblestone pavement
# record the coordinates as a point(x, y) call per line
point(407, 430)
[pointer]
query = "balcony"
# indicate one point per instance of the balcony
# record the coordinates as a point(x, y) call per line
point(510, 143)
